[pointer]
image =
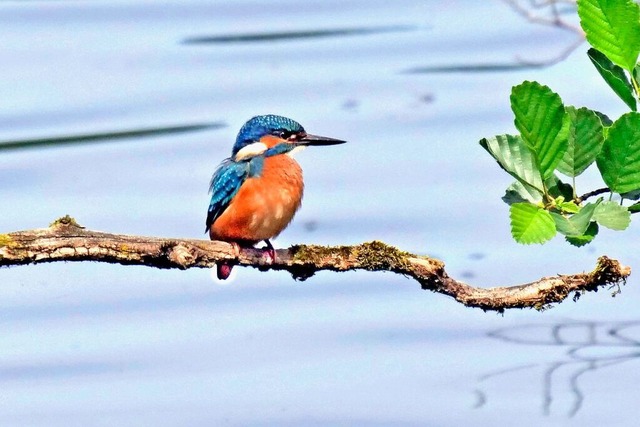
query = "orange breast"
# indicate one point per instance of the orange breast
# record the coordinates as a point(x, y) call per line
point(264, 205)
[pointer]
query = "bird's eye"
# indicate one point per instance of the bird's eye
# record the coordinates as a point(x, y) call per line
point(285, 134)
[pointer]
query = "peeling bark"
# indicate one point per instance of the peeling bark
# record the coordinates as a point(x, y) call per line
point(65, 240)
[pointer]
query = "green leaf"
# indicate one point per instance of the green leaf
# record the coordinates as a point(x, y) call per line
point(606, 121)
point(619, 160)
point(612, 215)
point(564, 225)
point(587, 237)
point(612, 27)
point(519, 192)
point(575, 225)
point(531, 224)
point(543, 124)
point(557, 188)
point(614, 76)
point(585, 141)
point(631, 195)
point(515, 158)
point(634, 208)
point(569, 207)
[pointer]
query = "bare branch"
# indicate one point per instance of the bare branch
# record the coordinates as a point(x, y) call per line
point(547, 12)
point(559, 57)
point(65, 240)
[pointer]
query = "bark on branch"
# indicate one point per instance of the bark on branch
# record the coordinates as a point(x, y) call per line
point(65, 240)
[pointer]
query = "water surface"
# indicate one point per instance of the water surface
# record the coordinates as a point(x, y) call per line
point(118, 112)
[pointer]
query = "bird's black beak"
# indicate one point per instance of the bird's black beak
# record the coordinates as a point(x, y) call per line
point(319, 140)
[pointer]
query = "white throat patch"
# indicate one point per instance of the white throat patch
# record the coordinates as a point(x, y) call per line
point(250, 150)
point(296, 150)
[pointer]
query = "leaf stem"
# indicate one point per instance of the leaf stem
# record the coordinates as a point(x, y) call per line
point(636, 87)
point(546, 191)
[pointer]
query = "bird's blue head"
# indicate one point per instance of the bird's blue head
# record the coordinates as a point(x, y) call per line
point(272, 135)
point(261, 126)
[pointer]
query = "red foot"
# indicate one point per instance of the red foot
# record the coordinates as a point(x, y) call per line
point(270, 252)
point(223, 270)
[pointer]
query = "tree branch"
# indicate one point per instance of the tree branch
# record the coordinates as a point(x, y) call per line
point(593, 193)
point(546, 13)
point(65, 240)
point(549, 13)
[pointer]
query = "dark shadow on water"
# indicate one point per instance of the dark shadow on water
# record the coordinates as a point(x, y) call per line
point(588, 348)
point(475, 68)
point(294, 35)
point(43, 371)
point(106, 136)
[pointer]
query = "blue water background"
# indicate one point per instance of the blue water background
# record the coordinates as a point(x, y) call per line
point(94, 344)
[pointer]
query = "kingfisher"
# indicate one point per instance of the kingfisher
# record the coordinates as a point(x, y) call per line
point(256, 192)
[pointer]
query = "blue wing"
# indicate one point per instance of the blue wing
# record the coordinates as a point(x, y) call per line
point(225, 183)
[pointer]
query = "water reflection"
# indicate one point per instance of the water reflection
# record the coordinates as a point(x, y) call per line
point(65, 370)
point(476, 68)
point(588, 347)
point(294, 35)
point(349, 347)
point(106, 136)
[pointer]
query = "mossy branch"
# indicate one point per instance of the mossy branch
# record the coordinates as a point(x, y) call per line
point(65, 240)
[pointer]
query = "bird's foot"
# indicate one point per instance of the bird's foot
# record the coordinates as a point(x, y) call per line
point(270, 252)
point(224, 268)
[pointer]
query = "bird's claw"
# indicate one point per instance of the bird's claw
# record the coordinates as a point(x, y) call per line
point(270, 252)
point(236, 248)
point(224, 268)
point(270, 255)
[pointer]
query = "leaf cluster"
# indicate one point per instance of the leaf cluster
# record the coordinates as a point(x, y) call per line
point(557, 139)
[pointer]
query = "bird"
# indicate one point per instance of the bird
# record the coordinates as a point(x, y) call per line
point(256, 192)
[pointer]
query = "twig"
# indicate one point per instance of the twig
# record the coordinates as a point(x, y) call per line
point(593, 193)
point(548, 13)
point(65, 240)
point(552, 18)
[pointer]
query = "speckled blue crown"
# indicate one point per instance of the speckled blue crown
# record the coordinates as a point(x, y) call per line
point(259, 126)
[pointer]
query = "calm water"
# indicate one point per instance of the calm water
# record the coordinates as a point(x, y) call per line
point(91, 344)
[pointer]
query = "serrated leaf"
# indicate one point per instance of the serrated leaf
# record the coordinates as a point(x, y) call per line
point(612, 27)
point(575, 225)
point(612, 215)
point(619, 159)
point(543, 124)
point(614, 76)
point(530, 223)
point(519, 192)
point(585, 141)
point(515, 158)
point(587, 237)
